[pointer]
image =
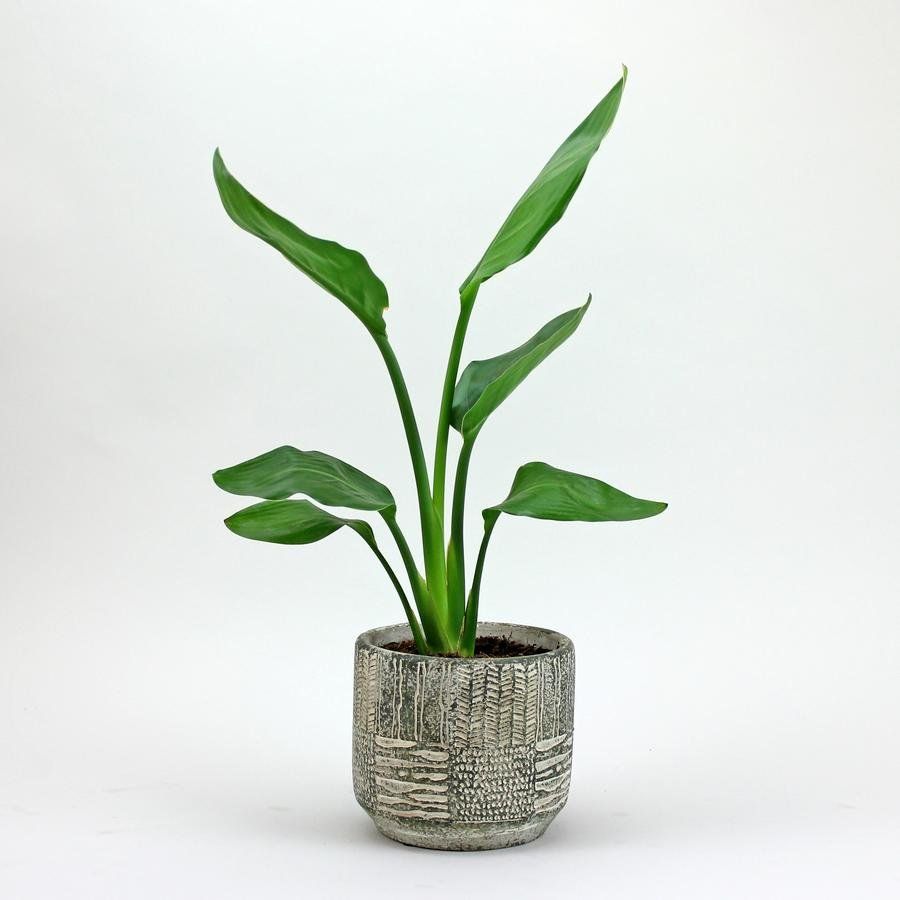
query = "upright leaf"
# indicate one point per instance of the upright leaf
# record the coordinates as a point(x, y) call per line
point(540, 491)
point(545, 201)
point(343, 273)
point(292, 522)
point(486, 383)
point(285, 471)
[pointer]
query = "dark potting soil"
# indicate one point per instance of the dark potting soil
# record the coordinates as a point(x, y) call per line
point(485, 648)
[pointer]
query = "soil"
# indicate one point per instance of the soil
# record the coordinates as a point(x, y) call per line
point(485, 648)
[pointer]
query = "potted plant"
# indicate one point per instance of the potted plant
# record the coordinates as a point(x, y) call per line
point(462, 730)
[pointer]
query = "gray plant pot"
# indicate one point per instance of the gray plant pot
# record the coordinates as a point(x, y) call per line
point(463, 754)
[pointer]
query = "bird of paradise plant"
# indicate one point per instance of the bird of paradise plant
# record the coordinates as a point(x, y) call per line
point(443, 611)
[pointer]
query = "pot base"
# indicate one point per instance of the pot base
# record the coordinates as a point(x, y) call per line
point(473, 836)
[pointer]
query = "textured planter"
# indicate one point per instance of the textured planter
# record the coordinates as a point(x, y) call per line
point(463, 754)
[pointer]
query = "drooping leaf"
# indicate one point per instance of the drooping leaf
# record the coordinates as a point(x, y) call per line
point(285, 471)
point(486, 383)
point(343, 273)
point(540, 491)
point(302, 522)
point(292, 522)
point(545, 201)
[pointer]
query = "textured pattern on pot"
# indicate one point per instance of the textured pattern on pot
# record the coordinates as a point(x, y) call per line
point(463, 754)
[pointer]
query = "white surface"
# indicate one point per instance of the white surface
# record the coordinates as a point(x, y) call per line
point(737, 716)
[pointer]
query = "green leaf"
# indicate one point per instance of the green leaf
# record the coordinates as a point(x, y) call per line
point(545, 201)
point(287, 470)
point(486, 383)
point(343, 273)
point(540, 491)
point(292, 522)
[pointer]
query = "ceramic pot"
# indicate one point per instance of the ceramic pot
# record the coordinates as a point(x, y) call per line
point(463, 754)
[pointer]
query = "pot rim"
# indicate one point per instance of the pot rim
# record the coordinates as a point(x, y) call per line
point(558, 643)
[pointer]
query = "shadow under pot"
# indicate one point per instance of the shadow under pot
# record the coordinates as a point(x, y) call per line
point(463, 754)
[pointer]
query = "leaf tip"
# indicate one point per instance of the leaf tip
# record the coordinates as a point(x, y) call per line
point(221, 175)
point(624, 74)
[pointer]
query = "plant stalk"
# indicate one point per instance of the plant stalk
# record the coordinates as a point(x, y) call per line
point(467, 302)
point(470, 624)
point(456, 565)
point(422, 644)
point(432, 529)
point(419, 587)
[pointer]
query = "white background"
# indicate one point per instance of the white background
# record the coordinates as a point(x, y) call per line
point(738, 656)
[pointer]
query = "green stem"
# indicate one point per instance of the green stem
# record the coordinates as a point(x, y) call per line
point(417, 455)
point(470, 625)
point(421, 643)
point(415, 578)
point(419, 587)
point(432, 530)
point(456, 564)
point(467, 301)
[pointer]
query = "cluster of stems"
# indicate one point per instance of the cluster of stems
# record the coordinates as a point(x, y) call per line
point(444, 619)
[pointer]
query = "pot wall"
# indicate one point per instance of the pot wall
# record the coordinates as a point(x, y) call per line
point(463, 753)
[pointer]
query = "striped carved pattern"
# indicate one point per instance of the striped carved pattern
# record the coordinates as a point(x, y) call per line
point(552, 768)
point(410, 781)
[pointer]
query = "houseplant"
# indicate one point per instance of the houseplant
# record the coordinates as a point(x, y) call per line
point(453, 748)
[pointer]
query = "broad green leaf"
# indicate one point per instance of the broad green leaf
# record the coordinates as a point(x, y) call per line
point(545, 201)
point(540, 491)
point(287, 470)
point(292, 522)
point(343, 273)
point(486, 383)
